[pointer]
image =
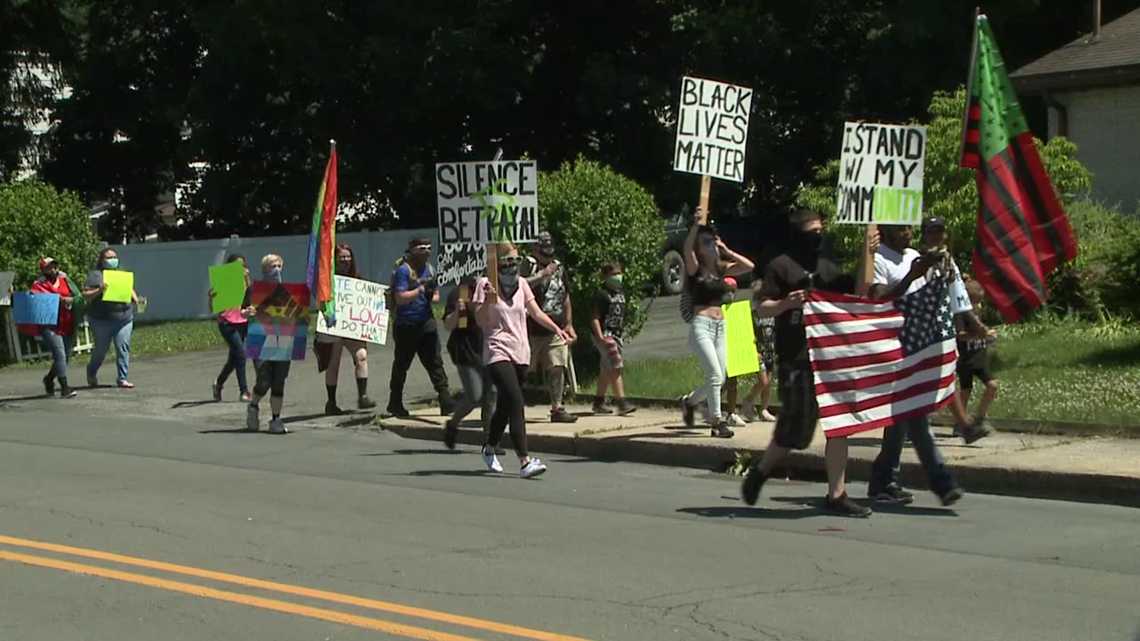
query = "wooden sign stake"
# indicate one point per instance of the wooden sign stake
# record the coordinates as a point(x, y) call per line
point(465, 296)
point(493, 269)
point(703, 207)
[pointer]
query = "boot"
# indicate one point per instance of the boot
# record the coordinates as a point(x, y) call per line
point(65, 390)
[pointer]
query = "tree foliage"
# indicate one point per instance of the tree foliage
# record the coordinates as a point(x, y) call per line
point(949, 191)
point(36, 220)
point(598, 215)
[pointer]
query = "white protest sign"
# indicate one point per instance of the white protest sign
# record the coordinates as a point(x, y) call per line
point(361, 311)
point(712, 129)
point(487, 202)
point(880, 174)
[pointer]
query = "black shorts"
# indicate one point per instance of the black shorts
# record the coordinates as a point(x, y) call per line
point(271, 377)
point(799, 410)
point(967, 372)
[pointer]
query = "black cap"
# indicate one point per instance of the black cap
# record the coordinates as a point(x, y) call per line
point(931, 223)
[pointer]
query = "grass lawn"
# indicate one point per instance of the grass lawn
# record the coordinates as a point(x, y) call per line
point(1066, 372)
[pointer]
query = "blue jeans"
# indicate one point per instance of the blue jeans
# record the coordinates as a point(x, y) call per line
point(61, 347)
point(235, 334)
point(708, 339)
point(105, 332)
point(885, 470)
point(477, 392)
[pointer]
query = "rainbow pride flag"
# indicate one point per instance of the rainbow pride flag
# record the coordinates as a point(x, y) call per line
point(322, 245)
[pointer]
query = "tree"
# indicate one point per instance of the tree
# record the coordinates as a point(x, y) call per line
point(37, 220)
point(949, 191)
point(600, 215)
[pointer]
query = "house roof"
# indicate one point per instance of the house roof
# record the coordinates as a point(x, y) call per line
point(1112, 59)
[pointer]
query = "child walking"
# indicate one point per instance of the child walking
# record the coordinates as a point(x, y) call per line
point(608, 326)
point(973, 360)
point(765, 329)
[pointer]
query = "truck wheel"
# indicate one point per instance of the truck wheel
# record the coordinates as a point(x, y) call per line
point(672, 272)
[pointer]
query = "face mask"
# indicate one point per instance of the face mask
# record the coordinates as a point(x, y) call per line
point(509, 275)
point(273, 273)
point(614, 281)
point(546, 251)
point(111, 263)
point(52, 277)
point(810, 241)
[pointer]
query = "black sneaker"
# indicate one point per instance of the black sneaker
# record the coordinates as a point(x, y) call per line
point(600, 408)
point(67, 392)
point(844, 506)
point(951, 497)
point(450, 433)
point(977, 431)
point(562, 416)
point(625, 408)
point(721, 430)
point(687, 413)
point(446, 404)
point(893, 493)
point(49, 385)
point(398, 411)
point(750, 488)
point(365, 403)
point(331, 409)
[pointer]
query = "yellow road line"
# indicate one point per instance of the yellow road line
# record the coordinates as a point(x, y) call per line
point(234, 597)
point(284, 588)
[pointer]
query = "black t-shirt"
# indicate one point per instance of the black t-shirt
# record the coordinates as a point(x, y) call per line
point(102, 310)
point(972, 353)
point(784, 276)
point(550, 293)
point(465, 345)
point(609, 309)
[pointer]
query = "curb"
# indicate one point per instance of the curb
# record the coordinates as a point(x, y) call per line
point(1038, 484)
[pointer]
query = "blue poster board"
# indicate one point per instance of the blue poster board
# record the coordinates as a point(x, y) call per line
point(35, 309)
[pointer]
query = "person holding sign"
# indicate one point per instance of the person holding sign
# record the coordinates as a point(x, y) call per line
point(708, 262)
point(502, 314)
point(234, 327)
point(329, 349)
point(787, 281)
point(60, 337)
point(271, 374)
point(111, 316)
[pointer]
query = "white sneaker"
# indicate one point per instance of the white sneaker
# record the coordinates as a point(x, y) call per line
point(277, 426)
point(533, 468)
point(749, 413)
point(252, 418)
point(765, 415)
point(491, 460)
point(734, 421)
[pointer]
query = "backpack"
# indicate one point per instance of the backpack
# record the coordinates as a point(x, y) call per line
point(390, 293)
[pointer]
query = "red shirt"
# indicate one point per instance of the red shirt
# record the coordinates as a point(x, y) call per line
point(65, 324)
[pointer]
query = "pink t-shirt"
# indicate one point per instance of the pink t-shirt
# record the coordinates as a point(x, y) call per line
point(233, 316)
point(505, 338)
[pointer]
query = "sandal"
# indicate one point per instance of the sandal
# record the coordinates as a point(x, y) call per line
point(126, 385)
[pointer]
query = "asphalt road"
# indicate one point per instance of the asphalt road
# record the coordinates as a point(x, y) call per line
point(591, 550)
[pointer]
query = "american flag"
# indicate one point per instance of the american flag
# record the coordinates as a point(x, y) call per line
point(878, 362)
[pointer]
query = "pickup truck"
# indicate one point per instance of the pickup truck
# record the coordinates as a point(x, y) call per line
point(745, 234)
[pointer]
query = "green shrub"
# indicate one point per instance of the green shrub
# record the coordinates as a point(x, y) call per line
point(36, 221)
point(599, 215)
point(949, 191)
point(1101, 282)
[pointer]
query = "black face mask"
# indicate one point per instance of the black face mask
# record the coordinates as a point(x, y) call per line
point(809, 242)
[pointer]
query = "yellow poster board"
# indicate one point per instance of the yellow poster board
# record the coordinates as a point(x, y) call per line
point(742, 357)
point(120, 285)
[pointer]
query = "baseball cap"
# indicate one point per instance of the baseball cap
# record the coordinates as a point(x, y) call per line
point(44, 262)
point(932, 223)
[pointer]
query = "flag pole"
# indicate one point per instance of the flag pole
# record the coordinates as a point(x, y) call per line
point(969, 86)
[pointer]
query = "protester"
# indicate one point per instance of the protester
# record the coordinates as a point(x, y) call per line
point(973, 360)
point(608, 325)
point(60, 338)
point(708, 261)
point(502, 315)
point(765, 330)
point(329, 349)
point(109, 322)
point(416, 333)
point(465, 347)
point(548, 279)
point(234, 328)
point(787, 281)
point(270, 375)
point(900, 270)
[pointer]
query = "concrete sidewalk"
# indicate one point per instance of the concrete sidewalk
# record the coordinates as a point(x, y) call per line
point(176, 387)
point(1086, 469)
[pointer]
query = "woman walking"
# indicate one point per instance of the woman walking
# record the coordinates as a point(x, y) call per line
point(708, 261)
point(234, 328)
point(109, 322)
point(60, 338)
point(465, 347)
point(329, 349)
point(502, 314)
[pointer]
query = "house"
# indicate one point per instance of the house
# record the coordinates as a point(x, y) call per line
point(1092, 89)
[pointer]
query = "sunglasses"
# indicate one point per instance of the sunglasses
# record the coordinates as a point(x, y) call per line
point(423, 247)
point(510, 260)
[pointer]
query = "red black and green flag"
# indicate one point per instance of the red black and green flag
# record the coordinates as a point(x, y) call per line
point(1023, 233)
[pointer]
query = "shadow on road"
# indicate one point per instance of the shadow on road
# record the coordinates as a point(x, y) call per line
point(884, 508)
point(466, 473)
point(236, 430)
point(187, 404)
point(733, 512)
point(18, 399)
